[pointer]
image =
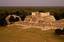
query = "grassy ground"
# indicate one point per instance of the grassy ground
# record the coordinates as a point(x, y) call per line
point(28, 35)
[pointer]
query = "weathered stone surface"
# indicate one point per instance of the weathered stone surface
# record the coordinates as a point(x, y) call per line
point(13, 17)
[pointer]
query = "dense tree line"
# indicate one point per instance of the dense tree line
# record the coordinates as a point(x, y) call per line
point(58, 12)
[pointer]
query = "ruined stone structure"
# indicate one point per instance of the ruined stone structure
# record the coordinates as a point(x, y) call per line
point(8, 17)
point(44, 20)
point(41, 20)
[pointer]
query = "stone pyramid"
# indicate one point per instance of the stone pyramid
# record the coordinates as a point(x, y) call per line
point(44, 20)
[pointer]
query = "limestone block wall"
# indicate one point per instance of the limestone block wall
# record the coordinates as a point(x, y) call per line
point(44, 14)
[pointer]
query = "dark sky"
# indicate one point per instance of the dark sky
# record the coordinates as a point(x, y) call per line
point(31, 2)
